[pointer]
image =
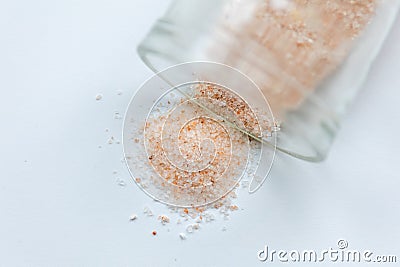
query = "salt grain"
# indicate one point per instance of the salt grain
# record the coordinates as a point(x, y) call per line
point(121, 182)
point(164, 219)
point(99, 97)
point(182, 236)
point(117, 115)
point(147, 211)
point(189, 229)
point(110, 140)
point(234, 207)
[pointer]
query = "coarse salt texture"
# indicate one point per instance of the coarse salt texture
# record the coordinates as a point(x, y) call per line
point(289, 47)
point(191, 158)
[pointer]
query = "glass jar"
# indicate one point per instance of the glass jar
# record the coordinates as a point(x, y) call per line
point(309, 58)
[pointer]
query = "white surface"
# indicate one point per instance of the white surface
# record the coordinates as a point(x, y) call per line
point(63, 206)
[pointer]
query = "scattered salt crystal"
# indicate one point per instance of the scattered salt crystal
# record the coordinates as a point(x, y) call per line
point(182, 214)
point(189, 229)
point(182, 236)
point(117, 116)
point(119, 92)
point(196, 226)
point(164, 219)
point(133, 217)
point(99, 97)
point(111, 140)
point(234, 207)
point(147, 211)
point(121, 182)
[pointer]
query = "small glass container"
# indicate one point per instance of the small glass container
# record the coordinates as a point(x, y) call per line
point(309, 58)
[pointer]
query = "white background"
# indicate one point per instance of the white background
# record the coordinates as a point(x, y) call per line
point(60, 204)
